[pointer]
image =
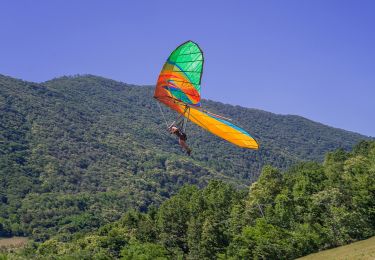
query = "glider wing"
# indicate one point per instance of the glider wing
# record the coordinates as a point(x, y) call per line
point(179, 86)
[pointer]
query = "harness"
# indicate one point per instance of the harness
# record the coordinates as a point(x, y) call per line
point(180, 134)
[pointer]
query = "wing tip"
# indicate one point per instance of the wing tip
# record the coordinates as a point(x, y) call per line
point(253, 145)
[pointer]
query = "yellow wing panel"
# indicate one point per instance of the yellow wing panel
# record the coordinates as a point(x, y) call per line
point(222, 128)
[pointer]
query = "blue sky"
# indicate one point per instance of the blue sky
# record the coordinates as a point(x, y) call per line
point(311, 58)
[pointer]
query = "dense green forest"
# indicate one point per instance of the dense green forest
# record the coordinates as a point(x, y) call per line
point(76, 153)
point(284, 215)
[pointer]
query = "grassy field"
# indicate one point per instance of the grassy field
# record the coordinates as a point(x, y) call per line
point(359, 250)
point(13, 242)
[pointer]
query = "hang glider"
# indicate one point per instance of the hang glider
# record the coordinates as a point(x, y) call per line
point(178, 87)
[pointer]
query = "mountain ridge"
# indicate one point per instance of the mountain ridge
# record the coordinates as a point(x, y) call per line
point(209, 100)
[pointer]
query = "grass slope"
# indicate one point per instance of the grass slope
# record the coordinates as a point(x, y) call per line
point(12, 243)
point(362, 250)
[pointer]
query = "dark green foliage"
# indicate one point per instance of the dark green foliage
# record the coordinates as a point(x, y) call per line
point(144, 251)
point(261, 241)
point(284, 216)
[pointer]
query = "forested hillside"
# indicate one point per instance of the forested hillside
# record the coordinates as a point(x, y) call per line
point(77, 152)
point(284, 215)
